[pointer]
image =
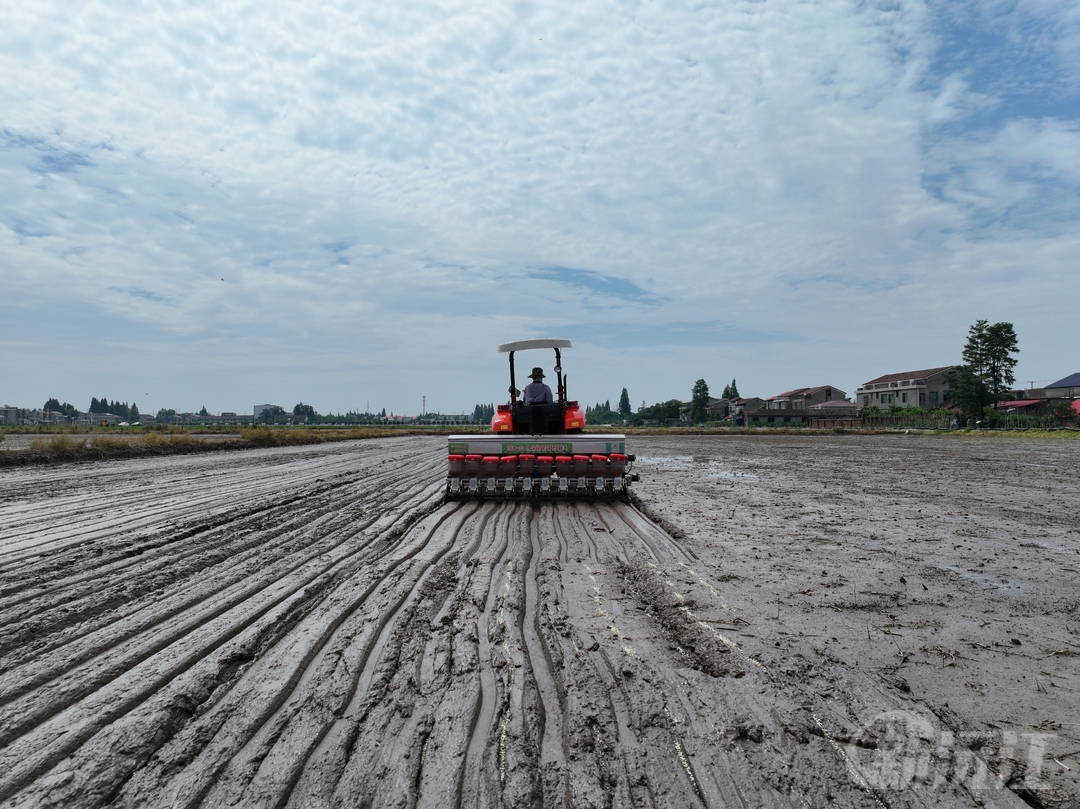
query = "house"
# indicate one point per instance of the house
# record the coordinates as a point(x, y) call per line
point(926, 389)
point(718, 409)
point(801, 398)
point(1027, 407)
point(1067, 388)
point(839, 405)
point(740, 406)
point(765, 417)
point(260, 408)
point(106, 419)
point(832, 413)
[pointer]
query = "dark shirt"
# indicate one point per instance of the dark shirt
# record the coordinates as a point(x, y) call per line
point(537, 393)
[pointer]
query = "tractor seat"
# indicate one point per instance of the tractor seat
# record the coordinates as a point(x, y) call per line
point(546, 419)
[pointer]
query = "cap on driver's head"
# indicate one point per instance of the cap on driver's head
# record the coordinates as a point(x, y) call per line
point(537, 373)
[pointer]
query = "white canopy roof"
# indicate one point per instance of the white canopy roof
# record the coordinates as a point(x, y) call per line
point(524, 345)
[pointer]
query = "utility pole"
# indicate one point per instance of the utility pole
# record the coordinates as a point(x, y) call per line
point(423, 409)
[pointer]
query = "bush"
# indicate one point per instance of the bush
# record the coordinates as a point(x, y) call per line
point(58, 443)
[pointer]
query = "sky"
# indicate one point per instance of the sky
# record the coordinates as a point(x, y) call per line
point(351, 205)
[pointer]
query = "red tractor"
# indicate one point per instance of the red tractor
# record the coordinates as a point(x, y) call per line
point(538, 450)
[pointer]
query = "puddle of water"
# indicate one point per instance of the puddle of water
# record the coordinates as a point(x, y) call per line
point(988, 582)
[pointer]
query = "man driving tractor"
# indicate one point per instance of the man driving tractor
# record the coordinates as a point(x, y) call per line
point(536, 392)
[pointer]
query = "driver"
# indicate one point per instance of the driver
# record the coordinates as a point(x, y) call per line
point(536, 392)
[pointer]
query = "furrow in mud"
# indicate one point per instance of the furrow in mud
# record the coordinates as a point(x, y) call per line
point(167, 659)
point(156, 525)
point(244, 548)
point(355, 640)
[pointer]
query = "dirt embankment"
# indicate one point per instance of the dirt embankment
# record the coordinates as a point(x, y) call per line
point(314, 626)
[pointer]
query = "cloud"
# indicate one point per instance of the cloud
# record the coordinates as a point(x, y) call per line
point(426, 179)
point(605, 290)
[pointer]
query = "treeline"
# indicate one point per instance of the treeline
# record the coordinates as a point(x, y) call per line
point(69, 410)
point(483, 413)
point(601, 413)
point(125, 411)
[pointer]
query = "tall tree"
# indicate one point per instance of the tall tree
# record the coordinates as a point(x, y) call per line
point(988, 353)
point(987, 372)
point(302, 409)
point(699, 402)
point(731, 391)
point(624, 405)
point(969, 391)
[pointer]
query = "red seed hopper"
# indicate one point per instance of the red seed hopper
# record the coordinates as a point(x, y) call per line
point(538, 446)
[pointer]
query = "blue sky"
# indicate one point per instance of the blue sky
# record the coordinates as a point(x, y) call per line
point(346, 204)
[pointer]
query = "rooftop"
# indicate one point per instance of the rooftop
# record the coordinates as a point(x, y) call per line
point(1071, 381)
point(909, 375)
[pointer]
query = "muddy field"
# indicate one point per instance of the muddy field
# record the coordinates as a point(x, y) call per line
point(778, 621)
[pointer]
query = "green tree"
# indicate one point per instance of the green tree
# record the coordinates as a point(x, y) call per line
point(987, 373)
point(699, 402)
point(988, 353)
point(133, 413)
point(625, 410)
point(969, 391)
point(1063, 412)
point(203, 411)
point(66, 408)
point(731, 391)
point(661, 411)
point(601, 413)
point(271, 415)
point(483, 413)
point(304, 410)
point(163, 415)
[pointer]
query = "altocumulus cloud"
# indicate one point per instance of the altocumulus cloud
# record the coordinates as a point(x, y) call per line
point(338, 204)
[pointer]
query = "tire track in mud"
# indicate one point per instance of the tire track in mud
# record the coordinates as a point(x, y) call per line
point(371, 645)
point(246, 539)
point(77, 686)
point(105, 707)
point(166, 623)
point(149, 512)
point(279, 741)
point(231, 575)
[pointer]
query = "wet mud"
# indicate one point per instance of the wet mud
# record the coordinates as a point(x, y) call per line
point(315, 626)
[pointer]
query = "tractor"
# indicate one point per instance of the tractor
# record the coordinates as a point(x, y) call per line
point(538, 450)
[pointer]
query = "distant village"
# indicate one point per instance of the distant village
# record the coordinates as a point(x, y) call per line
point(900, 397)
point(924, 390)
